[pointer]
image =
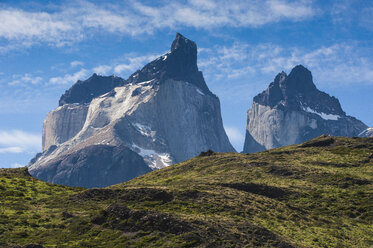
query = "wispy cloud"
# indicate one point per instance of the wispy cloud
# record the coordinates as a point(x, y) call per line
point(129, 63)
point(25, 79)
point(18, 141)
point(12, 149)
point(207, 14)
point(134, 63)
point(334, 64)
point(71, 23)
point(351, 13)
point(76, 63)
point(102, 69)
point(70, 78)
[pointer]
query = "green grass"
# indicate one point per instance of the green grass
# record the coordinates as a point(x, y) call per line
point(318, 194)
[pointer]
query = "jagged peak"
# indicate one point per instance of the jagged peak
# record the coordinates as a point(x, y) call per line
point(300, 79)
point(85, 91)
point(298, 92)
point(280, 77)
point(184, 44)
point(179, 64)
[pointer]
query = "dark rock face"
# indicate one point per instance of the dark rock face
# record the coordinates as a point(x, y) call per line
point(180, 65)
point(85, 91)
point(94, 166)
point(292, 110)
point(296, 92)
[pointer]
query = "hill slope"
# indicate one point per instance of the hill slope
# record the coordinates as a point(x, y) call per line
point(317, 194)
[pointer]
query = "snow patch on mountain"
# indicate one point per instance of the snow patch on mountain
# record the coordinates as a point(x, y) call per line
point(154, 159)
point(328, 117)
point(367, 133)
point(144, 130)
point(199, 91)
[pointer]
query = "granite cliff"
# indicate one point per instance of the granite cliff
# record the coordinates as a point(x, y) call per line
point(162, 114)
point(292, 110)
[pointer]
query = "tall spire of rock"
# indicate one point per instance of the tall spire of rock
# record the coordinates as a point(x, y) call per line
point(179, 64)
point(300, 80)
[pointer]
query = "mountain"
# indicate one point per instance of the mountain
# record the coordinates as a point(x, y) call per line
point(164, 113)
point(317, 194)
point(292, 110)
point(367, 132)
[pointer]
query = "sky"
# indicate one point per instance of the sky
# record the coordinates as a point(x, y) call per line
point(46, 46)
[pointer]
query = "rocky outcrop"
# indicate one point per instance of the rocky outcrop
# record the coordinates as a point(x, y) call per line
point(63, 123)
point(85, 91)
point(367, 133)
point(164, 112)
point(292, 110)
point(94, 166)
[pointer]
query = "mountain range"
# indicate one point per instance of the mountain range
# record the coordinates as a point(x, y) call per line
point(107, 130)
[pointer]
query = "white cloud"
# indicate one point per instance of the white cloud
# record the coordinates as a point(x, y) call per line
point(69, 78)
point(18, 141)
point(74, 22)
point(352, 14)
point(234, 134)
point(102, 69)
point(12, 149)
point(76, 63)
point(27, 26)
point(25, 79)
point(330, 65)
point(134, 63)
point(366, 18)
point(208, 14)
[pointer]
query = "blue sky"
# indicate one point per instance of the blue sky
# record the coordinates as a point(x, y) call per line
point(46, 46)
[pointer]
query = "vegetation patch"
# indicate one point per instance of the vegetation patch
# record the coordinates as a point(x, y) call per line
point(317, 194)
point(322, 141)
point(122, 218)
point(264, 190)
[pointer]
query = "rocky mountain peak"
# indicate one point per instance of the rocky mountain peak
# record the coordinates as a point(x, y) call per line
point(292, 110)
point(183, 44)
point(280, 78)
point(297, 91)
point(94, 86)
point(183, 57)
point(179, 64)
point(299, 80)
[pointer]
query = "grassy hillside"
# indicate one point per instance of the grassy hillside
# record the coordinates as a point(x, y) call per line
point(318, 194)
